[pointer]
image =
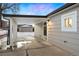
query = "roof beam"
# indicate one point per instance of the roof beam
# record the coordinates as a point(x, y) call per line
point(10, 15)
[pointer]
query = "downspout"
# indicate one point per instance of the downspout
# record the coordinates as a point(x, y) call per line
point(0, 16)
point(8, 36)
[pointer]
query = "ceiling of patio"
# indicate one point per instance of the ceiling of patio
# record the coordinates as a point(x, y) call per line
point(28, 20)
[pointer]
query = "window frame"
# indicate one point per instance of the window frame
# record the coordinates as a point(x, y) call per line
point(73, 16)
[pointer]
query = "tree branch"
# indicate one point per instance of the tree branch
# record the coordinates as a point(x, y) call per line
point(7, 7)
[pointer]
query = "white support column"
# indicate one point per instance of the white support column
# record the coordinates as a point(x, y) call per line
point(38, 31)
point(13, 32)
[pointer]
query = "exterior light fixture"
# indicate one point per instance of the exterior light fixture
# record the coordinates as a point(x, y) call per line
point(33, 25)
point(48, 20)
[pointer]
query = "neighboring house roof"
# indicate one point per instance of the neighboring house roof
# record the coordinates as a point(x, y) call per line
point(24, 25)
point(57, 10)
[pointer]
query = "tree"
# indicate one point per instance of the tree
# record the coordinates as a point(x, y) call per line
point(6, 7)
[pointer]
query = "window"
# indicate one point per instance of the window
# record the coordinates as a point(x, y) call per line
point(69, 22)
point(45, 28)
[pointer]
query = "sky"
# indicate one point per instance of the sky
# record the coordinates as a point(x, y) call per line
point(38, 8)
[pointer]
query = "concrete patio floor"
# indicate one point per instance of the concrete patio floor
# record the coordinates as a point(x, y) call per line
point(36, 48)
point(45, 49)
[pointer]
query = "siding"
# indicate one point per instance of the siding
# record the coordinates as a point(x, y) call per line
point(69, 41)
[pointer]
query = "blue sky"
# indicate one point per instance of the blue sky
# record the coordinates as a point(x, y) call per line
point(38, 8)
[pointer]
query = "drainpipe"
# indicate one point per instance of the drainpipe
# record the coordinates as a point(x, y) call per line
point(0, 15)
point(8, 36)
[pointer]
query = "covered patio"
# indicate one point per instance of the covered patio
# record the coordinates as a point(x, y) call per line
point(55, 34)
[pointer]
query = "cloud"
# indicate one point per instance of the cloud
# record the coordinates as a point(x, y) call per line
point(38, 8)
